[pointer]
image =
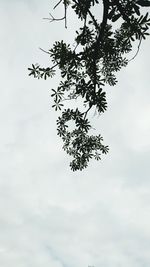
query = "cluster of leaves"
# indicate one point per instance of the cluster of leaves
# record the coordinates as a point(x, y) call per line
point(38, 72)
point(78, 143)
point(99, 53)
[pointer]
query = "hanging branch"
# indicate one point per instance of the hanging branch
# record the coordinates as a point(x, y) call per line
point(87, 72)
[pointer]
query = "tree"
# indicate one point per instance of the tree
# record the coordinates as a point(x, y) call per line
point(101, 45)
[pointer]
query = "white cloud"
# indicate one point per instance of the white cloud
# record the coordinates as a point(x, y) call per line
point(50, 216)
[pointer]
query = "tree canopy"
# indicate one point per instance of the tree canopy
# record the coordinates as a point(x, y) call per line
point(100, 50)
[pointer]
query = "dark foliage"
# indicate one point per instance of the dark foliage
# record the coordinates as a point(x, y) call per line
point(86, 69)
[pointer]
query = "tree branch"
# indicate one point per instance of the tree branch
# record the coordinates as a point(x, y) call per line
point(51, 18)
point(57, 4)
point(94, 20)
point(104, 21)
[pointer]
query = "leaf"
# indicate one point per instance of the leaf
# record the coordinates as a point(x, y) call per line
point(116, 17)
point(137, 9)
point(143, 2)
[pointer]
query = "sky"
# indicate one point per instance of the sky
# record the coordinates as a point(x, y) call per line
point(49, 215)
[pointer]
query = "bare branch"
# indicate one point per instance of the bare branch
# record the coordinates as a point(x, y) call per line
point(57, 4)
point(44, 50)
point(137, 50)
point(52, 18)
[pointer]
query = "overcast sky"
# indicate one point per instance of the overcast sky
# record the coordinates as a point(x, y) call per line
point(50, 216)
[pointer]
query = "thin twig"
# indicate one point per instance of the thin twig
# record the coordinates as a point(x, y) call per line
point(85, 113)
point(94, 20)
point(51, 19)
point(57, 4)
point(137, 50)
point(44, 50)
